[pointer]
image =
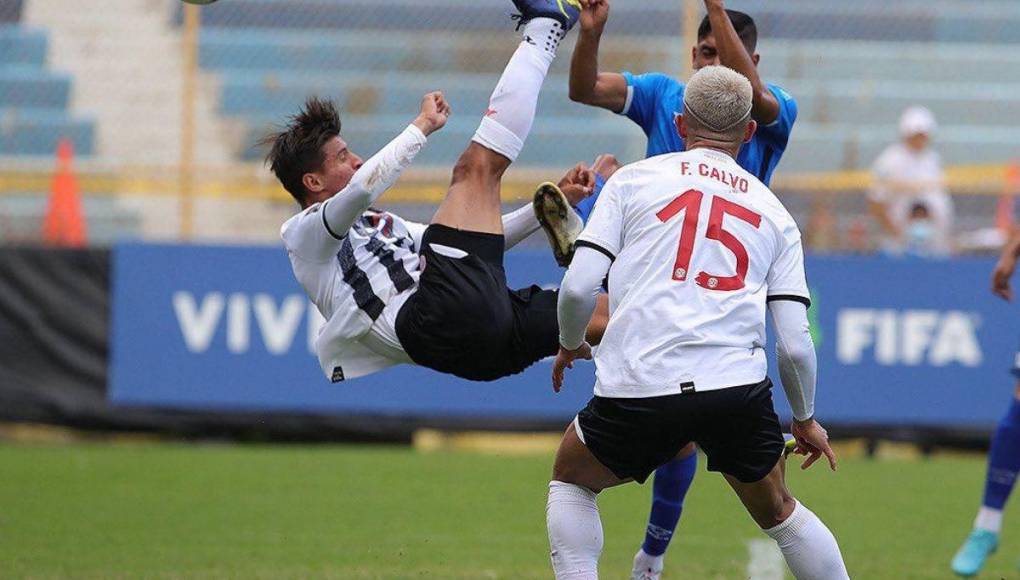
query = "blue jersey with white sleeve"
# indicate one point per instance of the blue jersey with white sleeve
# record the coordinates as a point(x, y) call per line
point(654, 100)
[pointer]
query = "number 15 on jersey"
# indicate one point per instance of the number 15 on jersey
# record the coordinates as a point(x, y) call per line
point(689, 202)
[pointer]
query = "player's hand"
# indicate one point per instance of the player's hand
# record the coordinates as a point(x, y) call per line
point(1000, 278)
point(813, 441)
point(606, 165)
point(435, 111)
point(594, 14)
point(565, 360)
point(577, 184)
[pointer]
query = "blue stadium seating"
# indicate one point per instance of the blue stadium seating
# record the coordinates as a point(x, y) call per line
point(852, 68)
point(33, 88)
point(37, 132)
point(34, 101)
point(911, 20)
point(22, 46)
point(271, 93)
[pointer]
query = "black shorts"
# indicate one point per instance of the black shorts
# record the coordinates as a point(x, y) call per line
point(737, 428)
point(463, 320)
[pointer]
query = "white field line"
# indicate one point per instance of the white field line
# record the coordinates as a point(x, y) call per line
point(766, 561)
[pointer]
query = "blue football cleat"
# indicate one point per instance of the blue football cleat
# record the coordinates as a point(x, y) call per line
point(566, 12)
point(972, 555)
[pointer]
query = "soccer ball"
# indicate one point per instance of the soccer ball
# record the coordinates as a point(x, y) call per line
point(201, 2)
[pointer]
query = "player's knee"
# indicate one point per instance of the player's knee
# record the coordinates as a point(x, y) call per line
point(777, 510)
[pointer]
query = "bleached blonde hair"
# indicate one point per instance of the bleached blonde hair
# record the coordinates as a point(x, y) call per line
point(718, 99)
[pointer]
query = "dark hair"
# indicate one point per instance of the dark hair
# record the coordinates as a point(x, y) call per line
point(297, 149)
point(742, 23)
point(919, 207)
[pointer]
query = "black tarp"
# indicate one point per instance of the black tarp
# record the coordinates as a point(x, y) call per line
point(54, 326)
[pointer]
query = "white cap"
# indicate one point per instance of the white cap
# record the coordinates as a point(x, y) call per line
point(917, 120)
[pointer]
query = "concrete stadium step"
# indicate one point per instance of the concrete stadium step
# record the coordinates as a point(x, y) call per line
point(992, 104)
point(804, 59)
point(33, 88)
point(551, 144)
point(37, 132)
point(261, 94)
point(22, 46)
point(127, 58)
point(888, 61)
point(265, 94)
point(816, 148)
point(464, 52)
point(912, 20)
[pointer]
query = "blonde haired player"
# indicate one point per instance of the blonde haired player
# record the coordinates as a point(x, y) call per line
point(695, 248)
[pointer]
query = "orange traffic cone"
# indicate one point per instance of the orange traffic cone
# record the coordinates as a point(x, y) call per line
point(64, 224)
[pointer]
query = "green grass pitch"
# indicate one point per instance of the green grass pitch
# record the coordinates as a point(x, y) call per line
point(182, 511)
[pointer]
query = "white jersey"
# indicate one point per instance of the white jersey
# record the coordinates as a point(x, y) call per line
point(699, 246)
point(358, 282)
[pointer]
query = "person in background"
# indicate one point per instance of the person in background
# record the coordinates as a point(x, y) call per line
point(907, 173)
point(918, 236)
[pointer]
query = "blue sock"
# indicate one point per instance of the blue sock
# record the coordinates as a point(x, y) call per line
point(1003, 459)
point(672, 481)
point(587, 204)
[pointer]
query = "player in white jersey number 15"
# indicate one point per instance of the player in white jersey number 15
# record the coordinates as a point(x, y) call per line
point(394, 291)
point(696, 249)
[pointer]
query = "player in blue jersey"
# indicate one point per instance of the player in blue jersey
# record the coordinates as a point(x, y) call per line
point(653, 100)
point(1004, 456)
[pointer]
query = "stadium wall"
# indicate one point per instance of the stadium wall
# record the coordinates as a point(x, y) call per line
point(208, 341)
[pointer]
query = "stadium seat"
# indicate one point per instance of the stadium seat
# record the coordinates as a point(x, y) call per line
point(37, 131)
point(22, 46)
point(33, 88)
point(34, 101)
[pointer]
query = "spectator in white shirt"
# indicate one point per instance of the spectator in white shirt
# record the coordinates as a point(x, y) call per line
point(906, 174)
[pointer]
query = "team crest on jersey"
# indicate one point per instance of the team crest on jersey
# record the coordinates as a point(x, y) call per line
point(338, 375)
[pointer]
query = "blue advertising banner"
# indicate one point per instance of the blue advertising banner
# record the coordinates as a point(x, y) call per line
point(900, 342)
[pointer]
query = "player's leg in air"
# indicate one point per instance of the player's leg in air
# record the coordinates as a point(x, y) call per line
point(1003, 465)
point(463, 320)
point(562, 224)
point(473, 202)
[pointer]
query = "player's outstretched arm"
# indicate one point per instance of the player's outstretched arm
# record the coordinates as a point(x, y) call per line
point(798, 371)
point(381, 171)
point(1005, 267)
point(733, 54)
point(577, 300)
point(587, 84)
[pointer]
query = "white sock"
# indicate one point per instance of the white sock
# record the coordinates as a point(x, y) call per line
point(512, 105)
point(989, 519)
point(575, 531)
point(808, 546)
